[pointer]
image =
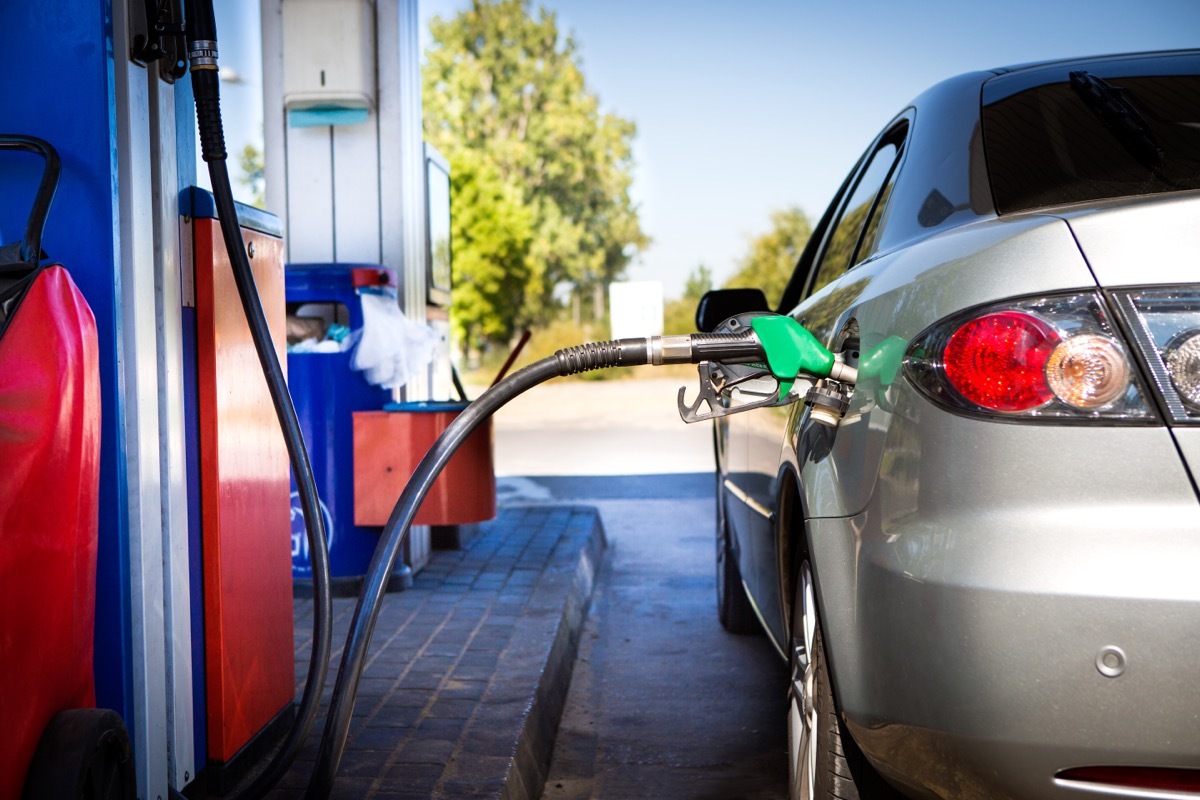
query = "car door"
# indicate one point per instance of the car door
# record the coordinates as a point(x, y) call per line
point(835, 283)
point(758, 437)
point(756, 441)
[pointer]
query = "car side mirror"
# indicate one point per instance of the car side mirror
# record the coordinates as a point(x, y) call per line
point(718, 305)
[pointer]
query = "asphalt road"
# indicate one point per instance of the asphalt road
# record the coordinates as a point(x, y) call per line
point(663, 702)
point(617, 427)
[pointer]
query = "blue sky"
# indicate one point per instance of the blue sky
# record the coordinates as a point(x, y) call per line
point(751, 106)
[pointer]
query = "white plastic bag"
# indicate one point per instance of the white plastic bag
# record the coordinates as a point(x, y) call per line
point(392, 349)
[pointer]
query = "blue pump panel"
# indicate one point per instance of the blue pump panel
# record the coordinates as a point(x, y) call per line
point(326, 392)
point(195, 554)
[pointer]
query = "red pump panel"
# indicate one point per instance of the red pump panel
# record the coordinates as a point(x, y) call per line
point(49, 491)
point(245, 498)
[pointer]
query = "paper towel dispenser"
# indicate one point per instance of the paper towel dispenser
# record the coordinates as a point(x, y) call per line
point(328, 61)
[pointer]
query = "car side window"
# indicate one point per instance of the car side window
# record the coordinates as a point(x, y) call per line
point(870, 237)
point(854, 235)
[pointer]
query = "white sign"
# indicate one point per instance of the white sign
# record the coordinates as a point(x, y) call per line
point(635, 309)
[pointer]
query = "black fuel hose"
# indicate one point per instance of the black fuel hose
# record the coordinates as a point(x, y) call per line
point(592, 356)
point(202, 52)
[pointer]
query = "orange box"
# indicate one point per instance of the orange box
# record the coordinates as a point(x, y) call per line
point(388, 445)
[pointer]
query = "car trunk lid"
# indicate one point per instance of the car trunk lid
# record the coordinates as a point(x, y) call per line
point(1145, 254)
point(1152, 240)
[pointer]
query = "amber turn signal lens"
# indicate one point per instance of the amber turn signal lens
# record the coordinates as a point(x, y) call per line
point(1087, 371)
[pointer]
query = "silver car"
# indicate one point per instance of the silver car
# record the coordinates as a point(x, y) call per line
point(986, 578)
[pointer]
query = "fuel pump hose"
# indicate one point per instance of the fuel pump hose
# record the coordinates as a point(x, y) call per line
point(202, 56)
point(744, 347)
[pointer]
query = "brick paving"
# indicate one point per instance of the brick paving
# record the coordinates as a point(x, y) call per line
point(468, 669)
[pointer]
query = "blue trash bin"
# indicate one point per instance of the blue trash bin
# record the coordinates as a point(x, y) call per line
point(326, 392)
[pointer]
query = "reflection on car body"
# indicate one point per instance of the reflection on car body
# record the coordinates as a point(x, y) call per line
point(985, 578)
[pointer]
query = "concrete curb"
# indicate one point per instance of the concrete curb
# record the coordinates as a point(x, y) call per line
point(532, 676)
point(527, 776)
point(467, 676)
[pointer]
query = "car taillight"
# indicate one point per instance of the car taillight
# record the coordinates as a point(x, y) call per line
point(1164, 327)
point(1052, 358)
point(1183, 363)
point(998, 361)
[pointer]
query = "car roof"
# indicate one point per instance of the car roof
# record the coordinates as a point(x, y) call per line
point(1006, 80)
point(1087, 60)
point(943, 155)
point(1013, 80)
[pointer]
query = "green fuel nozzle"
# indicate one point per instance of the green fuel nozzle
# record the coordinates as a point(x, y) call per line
point(768, 344)
point(791, 351)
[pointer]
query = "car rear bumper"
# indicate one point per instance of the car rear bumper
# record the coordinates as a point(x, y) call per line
point(981, 647)
point(1003, 690)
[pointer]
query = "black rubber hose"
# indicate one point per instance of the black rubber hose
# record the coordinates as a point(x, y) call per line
point(572, 360)
point(318, 666)
point(205, 86)
point(201, 21)
point(362, 625)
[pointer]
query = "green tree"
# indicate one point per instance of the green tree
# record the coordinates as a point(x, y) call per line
point(503, 90)
point(492, 233)
point(253, 174)
point(773, 255)
point(679, 316)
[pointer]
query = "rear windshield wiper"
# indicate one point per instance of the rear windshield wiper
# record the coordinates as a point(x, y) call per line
point(1118, 113)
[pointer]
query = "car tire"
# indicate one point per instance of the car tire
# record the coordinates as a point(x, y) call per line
point(83, 754)
point(733, 605)
point(823, 760)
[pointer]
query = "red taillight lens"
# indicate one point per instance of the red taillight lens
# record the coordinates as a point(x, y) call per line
point(1151, 778)
point(1054, 358)
point(998, 361)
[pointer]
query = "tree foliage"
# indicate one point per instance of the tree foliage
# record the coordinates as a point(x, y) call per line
point(492, 232)
point(506, 102)
point(253, 174)
point(773, 255)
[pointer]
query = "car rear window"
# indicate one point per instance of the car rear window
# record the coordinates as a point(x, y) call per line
point(1091, 133)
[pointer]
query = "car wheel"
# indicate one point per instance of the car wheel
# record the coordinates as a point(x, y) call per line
point(733, 606)
point(823, 761)
point(83, 754)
